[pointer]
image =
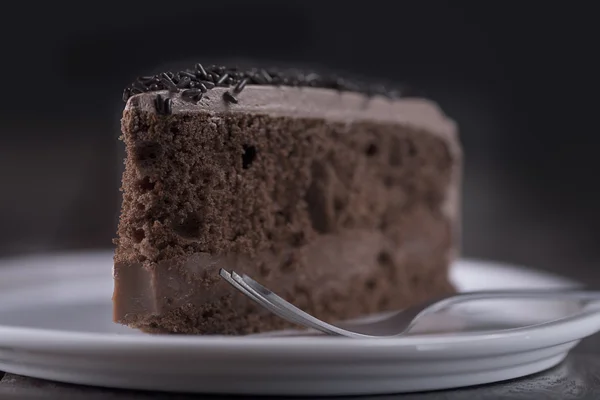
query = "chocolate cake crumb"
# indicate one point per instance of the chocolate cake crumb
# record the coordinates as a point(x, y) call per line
point(344, 210)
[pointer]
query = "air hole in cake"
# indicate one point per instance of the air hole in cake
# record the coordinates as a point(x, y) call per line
point(319, 198)
point(174, 129)
point(189, 228)
point(298, 239)
point(384, 302)
point(414, 281)
point(384, 259)
point(248, 156)
point(395, 152)
point(146, 184)
point(148, 151)
point(138, 235)
point(280, 217)
point(383, 224)
point(371, 150)
point(206, 275)
point(371, 284)
point(287, 265)
point(412, 150)
point(264, 270)
point(141, 206)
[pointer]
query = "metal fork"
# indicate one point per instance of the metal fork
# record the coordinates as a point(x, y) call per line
point(395, 325)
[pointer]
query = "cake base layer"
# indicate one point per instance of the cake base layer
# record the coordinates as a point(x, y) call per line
point(359, 273)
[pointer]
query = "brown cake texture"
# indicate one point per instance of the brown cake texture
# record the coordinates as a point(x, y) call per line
point(343, 203)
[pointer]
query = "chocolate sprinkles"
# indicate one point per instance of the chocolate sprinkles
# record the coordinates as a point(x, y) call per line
point(230, 98)
point(202, 72)
point(194, 83)
point(240, 86)
point(222, 80)
point(192, 95)
point(163, 106)
point(184, 82)
point(167, 80)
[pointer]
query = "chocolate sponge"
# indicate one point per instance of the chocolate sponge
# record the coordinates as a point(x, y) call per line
point(340, 198)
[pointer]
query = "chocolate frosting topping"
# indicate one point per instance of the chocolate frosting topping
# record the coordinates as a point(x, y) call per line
point(193, 83)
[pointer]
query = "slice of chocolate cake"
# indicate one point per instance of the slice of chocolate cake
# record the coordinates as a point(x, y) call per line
point(341, 198)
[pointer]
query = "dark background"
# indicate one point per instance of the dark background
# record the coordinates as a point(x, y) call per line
point(520, 78)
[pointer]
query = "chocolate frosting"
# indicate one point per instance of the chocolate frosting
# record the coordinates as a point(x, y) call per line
point(199, 80)
point(335, 106)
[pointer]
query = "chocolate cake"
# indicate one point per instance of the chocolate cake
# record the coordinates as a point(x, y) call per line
point(340, 196)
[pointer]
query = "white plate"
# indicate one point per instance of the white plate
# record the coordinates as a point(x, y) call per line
point(55, 323)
